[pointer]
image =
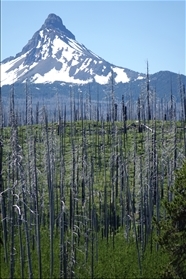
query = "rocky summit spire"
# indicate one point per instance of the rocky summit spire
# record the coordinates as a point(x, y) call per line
point(55, 22)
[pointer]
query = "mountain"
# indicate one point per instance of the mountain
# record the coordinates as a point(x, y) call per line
point(53, 54)
point(53, 59)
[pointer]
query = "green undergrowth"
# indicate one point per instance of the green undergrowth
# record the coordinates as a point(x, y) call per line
point(115, 257)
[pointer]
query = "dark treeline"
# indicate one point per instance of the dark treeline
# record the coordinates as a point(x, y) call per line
point(81, 106)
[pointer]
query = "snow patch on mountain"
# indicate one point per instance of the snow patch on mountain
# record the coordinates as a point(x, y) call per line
point(121, 75)
point(102, 79)
point(9, 71)
point(140, 77)
point(55, 75)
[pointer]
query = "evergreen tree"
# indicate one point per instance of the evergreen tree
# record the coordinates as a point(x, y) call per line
point(173, 229)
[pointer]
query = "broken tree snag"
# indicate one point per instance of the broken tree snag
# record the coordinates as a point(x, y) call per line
point(115, 111)
point(1, 159)
point(1, 181)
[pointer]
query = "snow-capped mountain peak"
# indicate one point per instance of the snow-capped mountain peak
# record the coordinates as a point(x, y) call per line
point(54, 54)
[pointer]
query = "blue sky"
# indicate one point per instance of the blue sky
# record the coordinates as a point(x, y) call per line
point(125, 33)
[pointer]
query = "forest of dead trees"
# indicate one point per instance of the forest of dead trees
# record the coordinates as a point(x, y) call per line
point(83, 173)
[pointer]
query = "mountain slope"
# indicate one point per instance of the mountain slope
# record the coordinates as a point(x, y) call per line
point(53, 54)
